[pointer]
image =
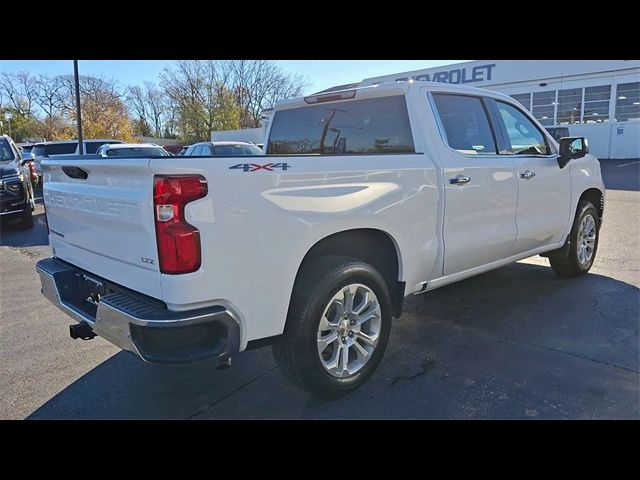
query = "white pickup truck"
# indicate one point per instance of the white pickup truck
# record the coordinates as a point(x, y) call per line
point(364, 197)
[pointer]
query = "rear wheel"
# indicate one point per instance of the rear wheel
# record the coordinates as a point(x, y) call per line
point(338, 326)
point(583, 246)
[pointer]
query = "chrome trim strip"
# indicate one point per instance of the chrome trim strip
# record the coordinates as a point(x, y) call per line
point(12, 211)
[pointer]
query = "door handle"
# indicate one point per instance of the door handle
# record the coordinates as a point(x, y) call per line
point(459, 180)
point(527, 175)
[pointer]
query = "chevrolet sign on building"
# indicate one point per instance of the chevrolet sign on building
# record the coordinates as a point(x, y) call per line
point(478, 73)
point(597, 99)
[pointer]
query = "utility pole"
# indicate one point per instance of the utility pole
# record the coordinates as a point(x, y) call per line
point(78, 114)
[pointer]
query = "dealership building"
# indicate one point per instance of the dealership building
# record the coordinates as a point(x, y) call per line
point(597, 99)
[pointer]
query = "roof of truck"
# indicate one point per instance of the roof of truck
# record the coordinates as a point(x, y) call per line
point(380, 89)
point(85, 140)
point(115, 146)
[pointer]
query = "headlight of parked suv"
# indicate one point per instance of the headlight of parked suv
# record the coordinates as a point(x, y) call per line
point(12, 183)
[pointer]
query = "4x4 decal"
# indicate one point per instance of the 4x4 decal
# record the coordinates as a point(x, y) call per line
point(253, 167)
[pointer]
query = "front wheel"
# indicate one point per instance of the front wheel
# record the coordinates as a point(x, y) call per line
point(583, 245)
point(338, 326)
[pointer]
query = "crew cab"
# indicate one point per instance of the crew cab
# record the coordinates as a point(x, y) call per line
point(362, 198)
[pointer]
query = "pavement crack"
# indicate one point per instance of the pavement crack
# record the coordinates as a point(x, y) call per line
point(596, 308)
point(224, 397)
point(424, 368)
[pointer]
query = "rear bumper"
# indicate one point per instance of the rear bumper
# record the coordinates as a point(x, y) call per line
point(137, 323)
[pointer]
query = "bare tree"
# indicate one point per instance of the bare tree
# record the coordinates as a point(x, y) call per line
point(210, 95)
point(138, 107)
point(48, 95)
point(258, 85)
point(203, 101)
point(20, 89)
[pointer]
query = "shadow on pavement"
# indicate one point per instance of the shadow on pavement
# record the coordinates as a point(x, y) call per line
point(621, 174)
point(12, 235)
point(570, 345)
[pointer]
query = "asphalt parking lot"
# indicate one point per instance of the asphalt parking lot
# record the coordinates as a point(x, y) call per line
point(515, 343)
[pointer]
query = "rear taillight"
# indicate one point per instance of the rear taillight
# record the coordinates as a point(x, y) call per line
point(178, 241)
point(32, 169)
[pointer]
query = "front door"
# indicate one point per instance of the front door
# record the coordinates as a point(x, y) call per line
point(544, 189)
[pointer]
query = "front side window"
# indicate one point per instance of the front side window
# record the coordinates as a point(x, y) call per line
point(465, 123)
point(370, 126)
point(558, 132)
point(523, 137)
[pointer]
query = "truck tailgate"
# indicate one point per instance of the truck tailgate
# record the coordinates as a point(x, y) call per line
point(104, 223)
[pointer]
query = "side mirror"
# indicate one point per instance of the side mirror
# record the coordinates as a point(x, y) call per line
point(570, 148)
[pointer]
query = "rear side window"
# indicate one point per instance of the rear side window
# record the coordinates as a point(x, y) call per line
point(137, 152)
point(92, 147)
point(370, 126)
point(235, 150)
point(523, 137)
point(465, 123)
point(54, 149)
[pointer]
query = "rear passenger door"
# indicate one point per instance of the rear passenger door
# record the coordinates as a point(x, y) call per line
point(480, 186)
point(544, 189)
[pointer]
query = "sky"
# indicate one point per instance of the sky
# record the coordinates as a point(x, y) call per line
point(321, 74)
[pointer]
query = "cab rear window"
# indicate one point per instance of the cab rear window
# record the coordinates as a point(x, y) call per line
point(369, 126)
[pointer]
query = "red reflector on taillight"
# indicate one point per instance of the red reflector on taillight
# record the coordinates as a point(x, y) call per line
point(178, 241)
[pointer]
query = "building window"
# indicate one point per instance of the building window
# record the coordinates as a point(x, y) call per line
point(628, 102)
point(543, 107)
point(524, 99)
point(569, 106)
point(596, 104)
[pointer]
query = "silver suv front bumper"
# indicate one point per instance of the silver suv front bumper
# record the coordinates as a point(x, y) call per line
point(137, 323)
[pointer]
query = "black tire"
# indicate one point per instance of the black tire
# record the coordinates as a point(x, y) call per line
point(296, 353)
point(569, 265)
